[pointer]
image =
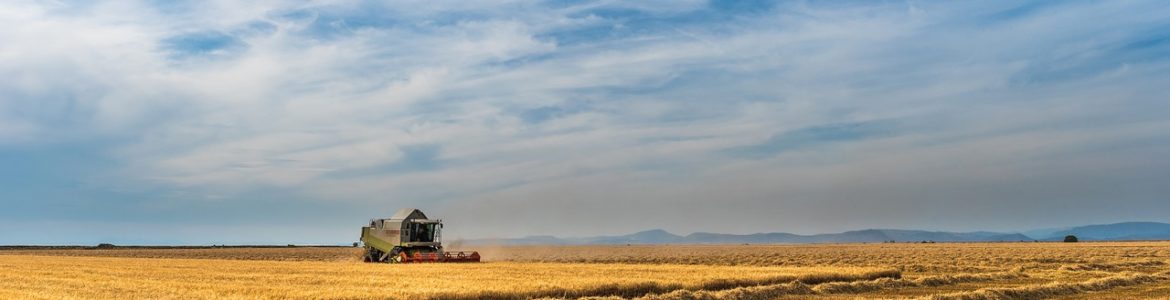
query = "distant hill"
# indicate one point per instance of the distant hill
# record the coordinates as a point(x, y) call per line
point(1116, 232)
point(659, 236)
point(1119, 231)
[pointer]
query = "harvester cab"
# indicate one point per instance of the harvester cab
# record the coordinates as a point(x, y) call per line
point(409, 236)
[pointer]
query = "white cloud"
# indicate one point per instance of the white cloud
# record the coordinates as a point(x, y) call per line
point(641, 114)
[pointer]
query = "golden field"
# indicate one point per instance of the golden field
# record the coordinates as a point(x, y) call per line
point(49, 277)
point(1124, 270)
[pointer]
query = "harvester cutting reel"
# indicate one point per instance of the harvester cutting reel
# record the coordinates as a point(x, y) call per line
point(400, 255)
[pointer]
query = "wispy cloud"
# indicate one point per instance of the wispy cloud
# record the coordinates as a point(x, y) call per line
point(812, 137)
point(521, 117)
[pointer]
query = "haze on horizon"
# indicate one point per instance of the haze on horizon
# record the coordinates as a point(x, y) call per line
point(221, 122)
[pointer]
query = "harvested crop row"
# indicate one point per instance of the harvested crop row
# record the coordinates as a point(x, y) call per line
point(718, 285)
point(1112, 266)
point(745, 293)
point(1053, 289)
point(835, 287)
point(926, 281)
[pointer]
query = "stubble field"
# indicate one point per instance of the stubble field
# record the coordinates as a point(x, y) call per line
point(1130, 270)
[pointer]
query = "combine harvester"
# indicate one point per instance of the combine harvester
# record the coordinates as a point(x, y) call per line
point(409, 237)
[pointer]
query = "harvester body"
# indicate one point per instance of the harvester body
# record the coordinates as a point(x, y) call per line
point(409, 236)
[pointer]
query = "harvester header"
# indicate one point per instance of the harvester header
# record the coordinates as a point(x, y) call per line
point(409, 236)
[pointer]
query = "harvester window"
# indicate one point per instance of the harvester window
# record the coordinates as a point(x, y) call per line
point(428, 235)
point(424, 233)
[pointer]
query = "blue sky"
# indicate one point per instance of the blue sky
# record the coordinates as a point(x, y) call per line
point(199, 122)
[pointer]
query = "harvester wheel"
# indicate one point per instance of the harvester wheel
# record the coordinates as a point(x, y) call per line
point(372, 255)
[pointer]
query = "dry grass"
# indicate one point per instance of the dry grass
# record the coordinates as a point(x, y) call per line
point(1128, 270)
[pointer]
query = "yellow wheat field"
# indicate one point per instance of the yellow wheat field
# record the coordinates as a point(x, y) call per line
point(1129, 270)
point(48, 277)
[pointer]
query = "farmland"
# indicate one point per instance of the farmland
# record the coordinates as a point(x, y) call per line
point(1123, 270)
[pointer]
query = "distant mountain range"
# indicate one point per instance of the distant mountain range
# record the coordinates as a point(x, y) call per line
point(1105, 232)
